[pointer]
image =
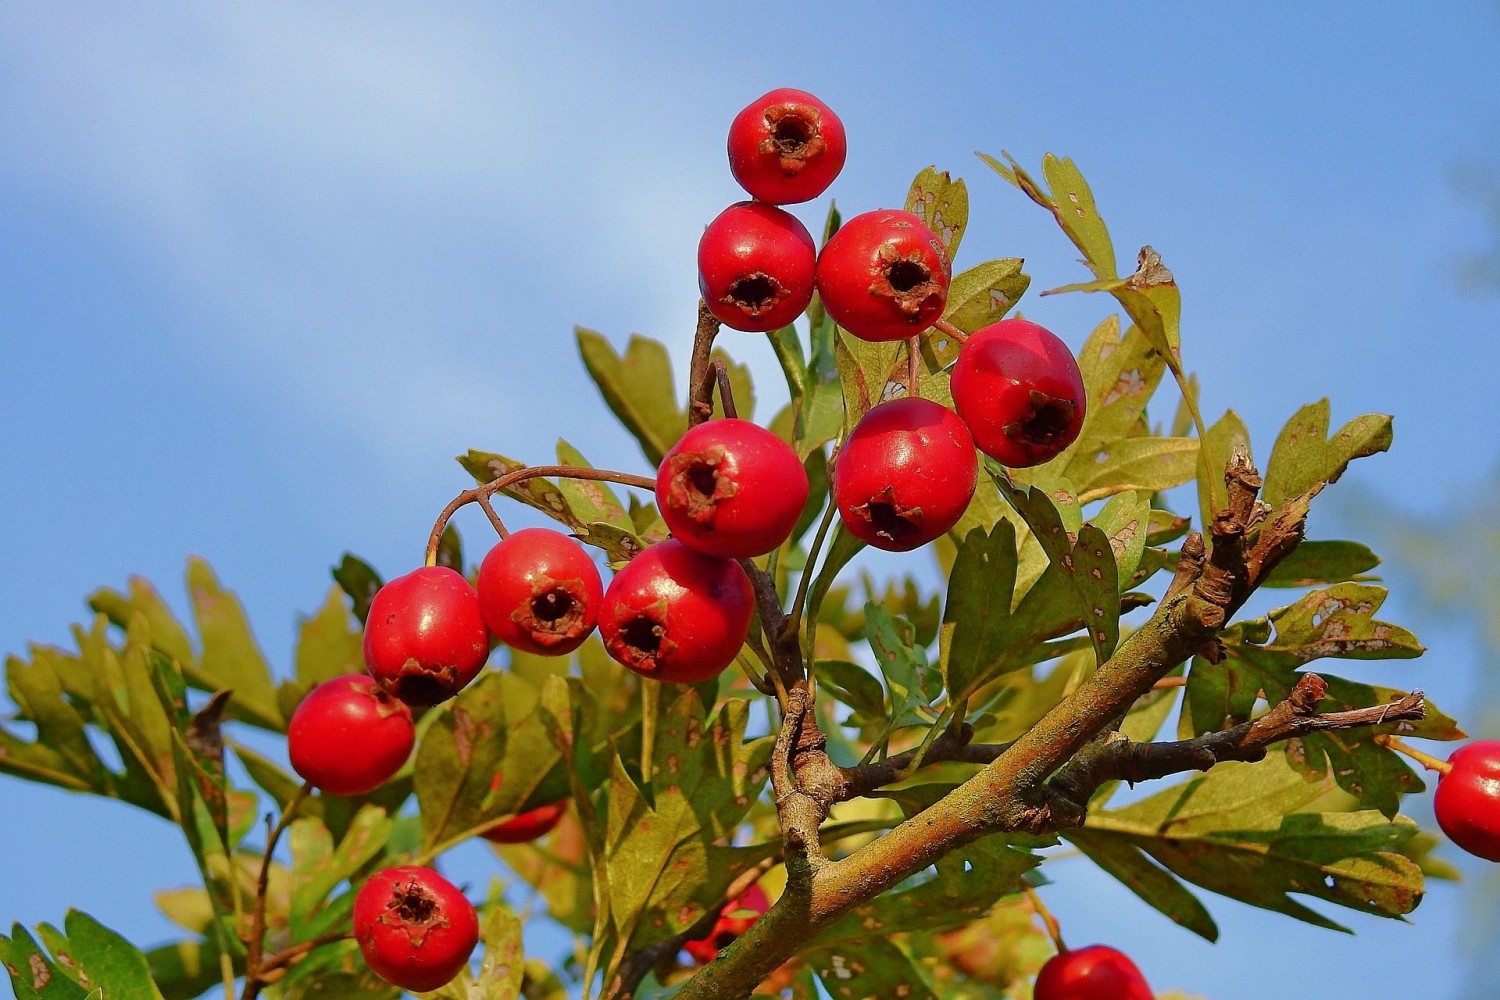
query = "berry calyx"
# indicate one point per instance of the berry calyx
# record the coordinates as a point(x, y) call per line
point(884, 276)
point(527, 826)
point(1018, 388)
point(905, 475)
point(539, 592)
point(734, 919)
point(1467, 801)
point(756, 267)
point(348, 736)
point(676, 615)
point(425, 636)
point(1097, 972)
point(414, 928)
point(731, 488)
point(786, 146)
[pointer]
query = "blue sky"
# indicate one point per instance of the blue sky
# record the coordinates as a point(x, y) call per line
point(265, 270)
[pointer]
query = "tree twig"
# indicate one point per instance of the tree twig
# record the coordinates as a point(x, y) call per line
point(255, 944)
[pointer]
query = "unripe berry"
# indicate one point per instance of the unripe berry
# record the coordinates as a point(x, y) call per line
point(1018, 388)
point(1467, 801)
point(786, 147)
point(884, 276)
point(731, 488)
point(347, 736)
point(673, 614)
point(425, 636)
point(905, 475)
point(415, 929)
point(756, 267)
point(734, 919)
point(1097, 972)
point(539, 592)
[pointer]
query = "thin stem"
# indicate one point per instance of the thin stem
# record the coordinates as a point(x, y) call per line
point(1048, 920)
point(254, 946)
point(287, 956)
point(726, 390)
point(799, 602)
point(489, 512)
point(914, 367)
point(700, 375)
point(950, 330)
point(1169, 682)
point(522, 474)
point(1427, 760)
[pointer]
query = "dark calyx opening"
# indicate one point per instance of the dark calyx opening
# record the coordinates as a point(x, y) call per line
point(755, 293)
point(699, 484)
point(703, 478)
point(888, 523)
point(792, 133)
point(414, 904)
point(643, 635)
point(555, 611)
point(420, 689)
point(1049, 419)
point(906, 275)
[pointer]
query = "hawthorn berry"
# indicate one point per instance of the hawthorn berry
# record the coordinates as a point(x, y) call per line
point(539, 592)
point(786, 147)
point(348, 736)
point(734, 919)
point(905, 475)
point(673, 614)
point(425, 636)
point(756, 267)
point(1018, 388)
point(414, 928)
point(731, 488)
point(1097, 972)
point(884, 276)
point(1467, 801)
point(527, 826)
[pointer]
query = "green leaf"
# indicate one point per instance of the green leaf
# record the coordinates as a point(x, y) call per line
point(1238, 831)
point(359, 580)
point(1340, 621)
point(1070, 202)
point(1152, 883)
point(590, 501)
point(186, 969)
point(231, 659)
point(977, 297)
point(637, 387)
point(167, 633)
point(1120, 375)
point(329, 644)
point(1224, 438)
point(820, 418)
point(977, 631)
point(106, 961)
point(854, 686)
point(942, 203)
point(318, 866)
point(912, 684)
point(1312, 563)
point(1144, 463)
point(788, 348)
point(33, 973)
point(1304, 456)
point(864, 374)
point(872, 969)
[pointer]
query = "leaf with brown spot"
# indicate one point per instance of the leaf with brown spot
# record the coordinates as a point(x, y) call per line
point(1304, 456)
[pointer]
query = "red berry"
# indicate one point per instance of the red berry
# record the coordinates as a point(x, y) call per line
point(731, 488)
point(884, 276)
point(756, 266)
point(1018, 388)
point(1097, 972)
point(415, 929)
point(673, 614)
point(734, 919)
point(425, 636)
point(529, 825)
point(1467, 801)
point(905, 475)
point(786, 147)
point(347, 736)
point(539, 592)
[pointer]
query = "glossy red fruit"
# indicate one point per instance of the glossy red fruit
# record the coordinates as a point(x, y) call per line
point(734, 920)
point(1097, 972)
point(786, 147)
point(347, 736)
point(1018, 388)
point(425, 636)
point(673, 614)
point(884, 276)
point(539, 592)
point(415, 929)
point(756, 267)
point(905, 475)
point(731, 488)
point(1467, 801)
point(527, 826)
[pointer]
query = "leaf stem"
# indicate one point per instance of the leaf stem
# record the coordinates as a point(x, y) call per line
point(950, 330)
point(1427, 760)
point(799, 602)
point(1048, 920)
point(254, 947)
